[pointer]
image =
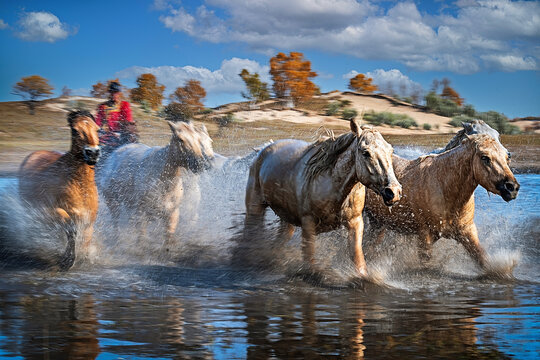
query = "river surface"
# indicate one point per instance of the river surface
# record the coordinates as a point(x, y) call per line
point(129, 301)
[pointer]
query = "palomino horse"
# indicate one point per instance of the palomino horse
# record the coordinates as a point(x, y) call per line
point(306, 185)
point(438, 196)
point(63, 184)
point(152, 181)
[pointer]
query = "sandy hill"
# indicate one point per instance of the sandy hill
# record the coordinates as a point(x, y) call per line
point(21, 133)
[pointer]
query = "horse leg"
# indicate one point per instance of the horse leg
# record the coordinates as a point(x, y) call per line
point(87, 237)
point(468, 237)
point(356, 231)
point(68, 257)
point(425, 246)
point(308, 241)
point(255, 209)
point(285, 232)
point(172, 223)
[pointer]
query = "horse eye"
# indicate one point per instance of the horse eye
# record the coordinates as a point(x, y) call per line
point(366, 153)
point(509, 155)
point(486, 159)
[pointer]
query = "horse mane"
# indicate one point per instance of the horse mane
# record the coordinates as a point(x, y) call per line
point(326, 153)
point(455, 141)
point(78, 113)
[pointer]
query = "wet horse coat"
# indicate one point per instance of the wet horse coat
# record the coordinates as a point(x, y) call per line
point(152, 182)
point(63, 184)
point(438, 196)
point(306, 185)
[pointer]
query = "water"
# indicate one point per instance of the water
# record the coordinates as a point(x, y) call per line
point(129, 302)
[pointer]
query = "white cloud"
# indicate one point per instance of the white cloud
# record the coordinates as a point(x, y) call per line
point(223, 80)
point(467, 42)
point(390, 81)
point(3, 25)
point(42, 26)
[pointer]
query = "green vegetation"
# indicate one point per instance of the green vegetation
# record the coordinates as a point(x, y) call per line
point(426, 126)
point(332, 108)
point(401, 120)
point(494, 119)
point(349, 114)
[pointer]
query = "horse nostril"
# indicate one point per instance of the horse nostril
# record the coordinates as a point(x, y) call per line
point(509, 186)
point(388, 194)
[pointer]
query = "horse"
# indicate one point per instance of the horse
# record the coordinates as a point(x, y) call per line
point(438, 196)
point(153, 181)
point(64, 184)
point(306, 185)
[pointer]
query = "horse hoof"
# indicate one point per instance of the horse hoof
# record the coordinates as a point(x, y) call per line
point(312, 276)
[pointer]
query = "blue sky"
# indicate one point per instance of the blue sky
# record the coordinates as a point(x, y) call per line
point(489, 49)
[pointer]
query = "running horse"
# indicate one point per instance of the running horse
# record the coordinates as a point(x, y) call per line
point(438, 198)
point(63, 184)
point(152, 182)
point(307, 185)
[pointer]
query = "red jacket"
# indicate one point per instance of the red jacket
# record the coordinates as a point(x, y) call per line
point(114, 115)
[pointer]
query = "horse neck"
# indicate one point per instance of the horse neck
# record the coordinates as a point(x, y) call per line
point(344, 172)
point(175, 160)
point(454, 172)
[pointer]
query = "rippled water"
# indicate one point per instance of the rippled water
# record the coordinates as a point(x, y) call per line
point(130, 302)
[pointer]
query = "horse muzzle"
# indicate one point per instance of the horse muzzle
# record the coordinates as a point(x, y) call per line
point(391, 194)
point(508, 189)
point(91, 154)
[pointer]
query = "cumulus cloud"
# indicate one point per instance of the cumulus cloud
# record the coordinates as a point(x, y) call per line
point(223, 80)
point(476, 37)
point(390, 81)
point(3, 25)
point(42, 26)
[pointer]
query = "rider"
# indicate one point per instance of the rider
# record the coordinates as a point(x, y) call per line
point(115, 112)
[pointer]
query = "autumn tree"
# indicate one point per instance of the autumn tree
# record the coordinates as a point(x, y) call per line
point(451, 94)
point(291, 76)
point(148, 91)
point(186, 101)
point(361, 83)
point(31, 88)
point(257, 90)
point(66, 91)
point(101, 89)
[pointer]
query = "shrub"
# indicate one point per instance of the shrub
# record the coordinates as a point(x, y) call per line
point(426, 126)
point(499, 122)
point(457, 120)
point(332, 108)
point(391, 119)
point(349, 114)
point(345, 102)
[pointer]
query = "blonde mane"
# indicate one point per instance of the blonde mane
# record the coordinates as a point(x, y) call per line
point(326, 153)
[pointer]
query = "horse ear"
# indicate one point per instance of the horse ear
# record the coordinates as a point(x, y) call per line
point(467, 126)
point(356, 127)
point(172, 126)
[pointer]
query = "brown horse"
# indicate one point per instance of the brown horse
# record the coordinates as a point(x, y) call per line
point(152, 182)
point(63, 184)
point(438, 196)
point(306, 185)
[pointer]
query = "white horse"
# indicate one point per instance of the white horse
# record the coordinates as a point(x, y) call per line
point(152, 182)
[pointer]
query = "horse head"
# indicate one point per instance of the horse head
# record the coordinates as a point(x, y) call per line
point(192, 145)
point(490, 167)
point(374, 163)
point(84, 136)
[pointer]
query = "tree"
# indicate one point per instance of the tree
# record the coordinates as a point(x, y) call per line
point(148, 91)
point(101, 90)
point(186, 101)
point(257, 90)
point(32, 88)
point(451, 94)
point(291, 75)
point(361, 83)
point(66, 91)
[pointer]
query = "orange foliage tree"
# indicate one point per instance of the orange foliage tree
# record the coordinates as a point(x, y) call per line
point(32, 88)
point(186, 101)
point(291, 75)
point(451, 94)
point(148, 91)
point(361, 83)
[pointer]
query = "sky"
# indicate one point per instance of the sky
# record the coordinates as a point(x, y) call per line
point(488, 49)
